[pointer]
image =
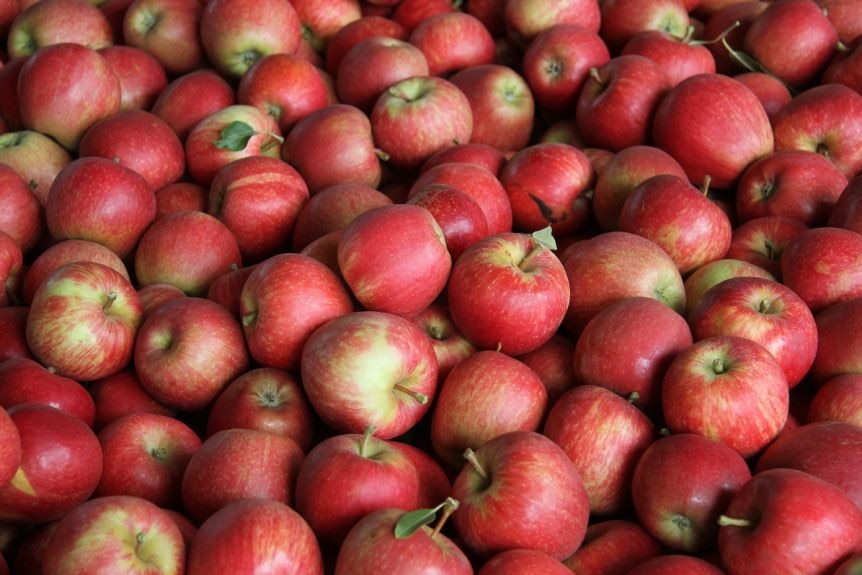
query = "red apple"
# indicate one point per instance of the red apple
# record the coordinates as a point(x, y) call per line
point(369, 368)
point(483, 155)
point(459, 216)
point(142, 77)
point(356, 31)
point(191, 97)
point(145, 455)
point(838, 329)
point(411, 13)
point(22, 216)
point(42, 24)
point(450, 345)
point(179, 197)
point(35, 157)
point(11, 270)
point(772, 92)
point(612, 547)
point(167, 29)
point(115, 534)
point(13, 328)
point(10, 447)
point(453, 41)
point(624, 19)
point(676, 564)
point(526, 19)
point(679, 57)
point(516, 561)
point(729, 389)
point(728, 20)
point(838, 399)
point(23, 380)
point(762, 241)
point(715, 272)
point(122, 394)
point(846, 211)
point(552, 362)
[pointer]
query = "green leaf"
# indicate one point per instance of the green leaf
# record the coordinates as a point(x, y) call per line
point(411, 521)
point(235, 136)
point(545, 238)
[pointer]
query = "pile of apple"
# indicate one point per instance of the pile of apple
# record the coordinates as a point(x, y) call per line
point(406, 286)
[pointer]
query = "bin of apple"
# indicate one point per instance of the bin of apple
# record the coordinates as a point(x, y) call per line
point(415, 286)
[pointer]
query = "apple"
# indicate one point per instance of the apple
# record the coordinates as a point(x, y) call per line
point(340, 133)
point(837, 399)
point(138, 140)
point(762, 241)
point(838, 329)
point(179, 197)
point(603, 435)
point(98, 199)
point(226, 289)
point(434, 482)
point(526, 19)
point(168, 30)
point(813, 260)
point(121, 394)
point(10, 452)
point(676, 564)
point(764, 311)
point(430, 104)
point(411, 13)
point(58, 21)
point(13, 328)
point(725, 23)
point(844, 16)
point(617, 102)
point(552, 362)
point(347, 476)
point(61, 462)
point(622, 174)
point(710, 274)
point(235, 464)
point(142, 77)
point(823, 119)
point(453, 41)
point(235, 33)
point(614, 265)
point(624, 19)
point(459, 216)
point(786, 521)
point(23, 380)
point(778, 44)
point(94, 335)
point(187, 351)
point(797, 184)
point(402, 280)
point(10, 116)
point(65, 88)
point(35, 157)
point(188, 250)
point(115, 534)
point(772, 92)
point(515, 561)
point(612, 547)
point(557, 62)
point(679, 57)
point(845, 212)
point(191, 97)
point(728, 389)
point(844, 67)
point(628, 345)
point(826, 449)
point(321, 21)
point(356, 31)
point(376, 545)
point(483, 155)
point(229, 134)
point(450, 345)
point(11, 270)
point(483, 396)
point(251, 535)
point(504, 507)
point(22, 216)
point(369, 368)
point(713, 126)
point(146, 455)
point(266, 399)
point(509, 292)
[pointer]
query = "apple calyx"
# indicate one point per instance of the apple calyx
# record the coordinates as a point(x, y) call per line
point(235, 136)
point(416, 395)
point(159, 453)
point(726, 521)
point(471, 458)
point(412, 521)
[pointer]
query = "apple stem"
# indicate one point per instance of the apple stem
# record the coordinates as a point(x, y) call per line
point(140, 538)
point(366, 438)
point(689, 32)
point(110, 299)
point(381, 155)
point(633, 397)
point(707, 180)
point(765, 305)
point(770, 250)
point(721, 37)
point(470, 456)
point(449, 507)
point(417, 395)
point(726, 521)
point(718, 365)
point(594, 74)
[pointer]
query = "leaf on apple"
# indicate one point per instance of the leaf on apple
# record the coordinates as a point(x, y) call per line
point(411, 521)
point(235, 136)
point(545, 238)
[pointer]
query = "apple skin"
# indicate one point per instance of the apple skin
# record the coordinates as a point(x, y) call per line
point(504, 507)
point(819, 266)
point(187, 351)
point(516, 561)
point(61, 462)
point(838, 399)
point(266, 399)
point(826, 449)
point(525, 19)
point(191, 97)
point(225, 290)
point(342, 134)
point(617, 264)
point(846, 210)
point(797, 184)
point(94, 335)
point(98, 199)
point(57, 21)
point(772, 93)
point(453, 41)
point(679, 57)
point(347, 476)
point(179, 197)
point(693, 124)
point(122, 394)
point(372, 547)
point(552, 362)
point(624, 19)
point(145, 455)
point(721, 19)
point(35, 157)
point(142, 77)
point(729, 389)
point(450, 345)
point(138, 140)
point(13, 330)
point(710, 274)
point(22, 218)
point(63, 105)
point(676, 564)
point(23, 380)
point(703, 475)
point(612, 547)
point(823, 119)
point(115, 534)
point(356, 31)
point(188, 250)
point(284, 299)
point(235, 33)
point(369, 368)
point(10, 447)
point(283, 541)
point(168, 30)
point(236, 464)
point(483, 155)
point(484, 395)
point(839, 326)
point(405, 279)
point(603, 435)
point(627, 347)
point(11, 270)
point(803, 524)
point(762, 241)
point(459, 216)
